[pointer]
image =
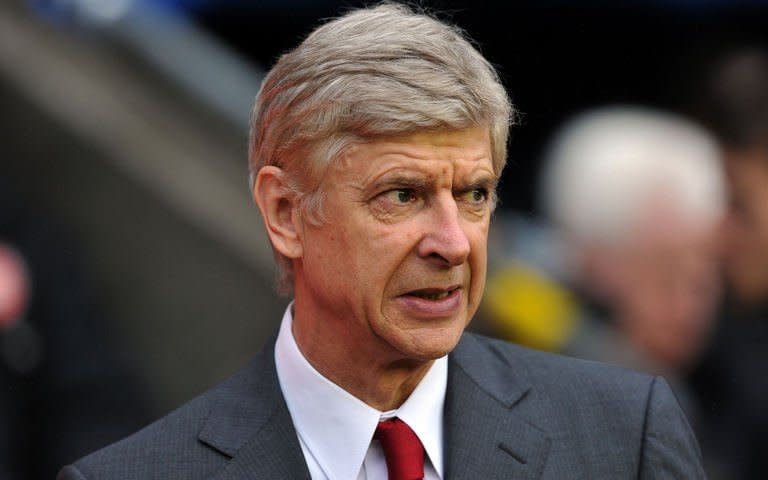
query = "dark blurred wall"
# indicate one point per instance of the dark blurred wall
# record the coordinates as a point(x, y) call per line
point(184, 310)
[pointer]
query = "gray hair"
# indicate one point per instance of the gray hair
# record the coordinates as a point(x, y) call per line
point(605, 166)
point(374, 72)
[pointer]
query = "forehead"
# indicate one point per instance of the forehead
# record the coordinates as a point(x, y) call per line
point(441, 152)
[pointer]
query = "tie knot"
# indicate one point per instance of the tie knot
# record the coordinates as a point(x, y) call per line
point(403, 450)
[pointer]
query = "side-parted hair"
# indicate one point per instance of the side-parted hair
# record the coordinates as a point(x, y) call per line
point(373, 72)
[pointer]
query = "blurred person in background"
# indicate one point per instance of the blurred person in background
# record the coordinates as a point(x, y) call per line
point(733, 379)
point(636, 196)
point(63, 391)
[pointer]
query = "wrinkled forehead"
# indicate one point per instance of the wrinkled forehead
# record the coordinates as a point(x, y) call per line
point(321, 165)
point(427, 156)
point(471, 146)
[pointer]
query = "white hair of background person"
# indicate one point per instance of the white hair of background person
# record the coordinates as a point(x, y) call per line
point(384, 71)
point(606, 166)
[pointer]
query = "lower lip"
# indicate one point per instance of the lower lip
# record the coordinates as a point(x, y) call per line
point(432, 308)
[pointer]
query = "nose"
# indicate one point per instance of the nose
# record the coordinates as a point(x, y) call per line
point(445, 240)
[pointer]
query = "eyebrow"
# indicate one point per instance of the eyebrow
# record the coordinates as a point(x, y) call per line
point(420, 182)
point(489, 182)
point(404, 180)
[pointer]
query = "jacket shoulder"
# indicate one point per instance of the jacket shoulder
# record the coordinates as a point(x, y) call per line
point(576, 401)
point(196, 439)
point(607, 421)
point(160, 450)
point(553, 372)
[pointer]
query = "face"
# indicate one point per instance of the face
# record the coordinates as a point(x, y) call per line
point(670, 289)
point(745, 230)
point(398, 267)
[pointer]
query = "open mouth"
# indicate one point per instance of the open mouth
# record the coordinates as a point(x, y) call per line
point(433, 294)
point(433, 302)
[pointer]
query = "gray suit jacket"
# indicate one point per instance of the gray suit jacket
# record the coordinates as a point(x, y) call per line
point(510, 413)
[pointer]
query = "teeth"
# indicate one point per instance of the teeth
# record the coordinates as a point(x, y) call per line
point(433, 296)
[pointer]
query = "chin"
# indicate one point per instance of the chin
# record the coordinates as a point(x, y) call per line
point(429, 346)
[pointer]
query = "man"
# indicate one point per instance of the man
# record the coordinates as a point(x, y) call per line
point(375, 149)
point(732, 380)
point(735, 106)
point(637, 195)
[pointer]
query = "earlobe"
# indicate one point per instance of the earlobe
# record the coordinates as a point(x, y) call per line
point(278, 207)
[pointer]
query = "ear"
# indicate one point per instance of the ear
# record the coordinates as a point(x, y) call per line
point(278, 207)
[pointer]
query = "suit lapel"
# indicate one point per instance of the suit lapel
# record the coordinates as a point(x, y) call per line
point(250, 423)
point(273, 453)
point(487, 434)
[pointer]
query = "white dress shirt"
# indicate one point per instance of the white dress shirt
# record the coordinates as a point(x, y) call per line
point(336, 429)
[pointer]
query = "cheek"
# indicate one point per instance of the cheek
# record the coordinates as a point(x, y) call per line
point(478, 260)
point(478, 239)
point(330, 255)
point(391, 241)
point(378, 256)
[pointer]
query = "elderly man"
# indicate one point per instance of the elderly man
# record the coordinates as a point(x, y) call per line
point(376, 146)
point(638, 195)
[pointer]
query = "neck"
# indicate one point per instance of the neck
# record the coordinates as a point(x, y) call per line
point(382, 381)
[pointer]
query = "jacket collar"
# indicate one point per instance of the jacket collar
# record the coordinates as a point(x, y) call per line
point(249, 422)
point(488, 429)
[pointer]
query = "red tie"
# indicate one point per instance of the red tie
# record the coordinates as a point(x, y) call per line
point(402, 450)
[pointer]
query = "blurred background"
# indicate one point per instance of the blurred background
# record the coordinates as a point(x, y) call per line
point(134, 272)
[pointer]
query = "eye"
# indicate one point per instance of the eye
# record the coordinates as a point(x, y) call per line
point(400, 196)
point(475, 196)
point(396, 203)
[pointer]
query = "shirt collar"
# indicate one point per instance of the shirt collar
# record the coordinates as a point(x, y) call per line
point(336, 426)
point(423, 411)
